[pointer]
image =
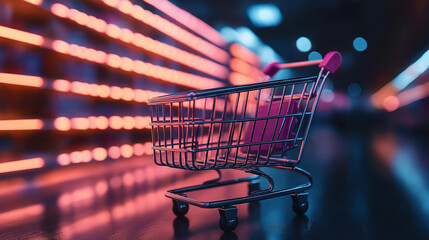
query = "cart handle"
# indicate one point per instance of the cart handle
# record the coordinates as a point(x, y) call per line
point(330, 62)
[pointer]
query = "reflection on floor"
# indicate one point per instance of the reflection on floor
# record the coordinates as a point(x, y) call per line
point(371, 185)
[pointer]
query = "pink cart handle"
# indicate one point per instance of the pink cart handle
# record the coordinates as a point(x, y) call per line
point(271, 69)
point(331, 61)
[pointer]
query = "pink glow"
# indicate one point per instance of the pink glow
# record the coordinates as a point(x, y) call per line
point(125, 6)
point(101, 187)
point(102, 122)
point(128, 94)
point(113, 31)
point(116, 122)
point(63, 159)
point(127, 151)
point(174, 31)
point(245, 54)
point(127, 64)
point(76, 157)
point(114, 61)
point(21, 80)
point(62, 124)
point(111, 3)
point(60, 46)
point(21, 124)
point(391, 103)
point(35, 2)
point(21, 36)
point(86, 156)
point(128, 179)
point(115, 92)
point(92, 122)
point(61, 85)
point(60, 10)
point(139, 149)
point(100, 154)
point(129, 122)
point(114, 152)
point(80, 123)
point(127, 35)
point(103, 91)
point(148, 148)
point(21, 165)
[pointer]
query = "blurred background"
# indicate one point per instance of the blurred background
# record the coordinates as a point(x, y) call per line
point(75, 78)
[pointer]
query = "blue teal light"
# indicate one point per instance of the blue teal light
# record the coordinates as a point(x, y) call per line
point(354, 89)
point(360, 44)
point(314, 56)
point(303, 44)
point(264, 15)
point(412, 72)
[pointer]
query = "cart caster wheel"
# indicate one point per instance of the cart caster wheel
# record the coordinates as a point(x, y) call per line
point(228, 218)
point(180, 208)
point(300, 203)
point(253, 186)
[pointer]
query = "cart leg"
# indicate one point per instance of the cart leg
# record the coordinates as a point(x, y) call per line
point(299, 203)
point(228, 218)
point(254, 186)
point(180, 208)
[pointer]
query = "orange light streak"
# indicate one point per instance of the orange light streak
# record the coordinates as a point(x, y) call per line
point(245, 54)
point(240, 79)
point(391, 103)
point(101, 122)
point(22, 80)
point(21, 165)
point(245, 68)
point(170, 29)
point(138, 40)
point(188, 20)
point(162, 73)
point(101, 154)
point(21, 124)
point(35, 2)
point(21, 36)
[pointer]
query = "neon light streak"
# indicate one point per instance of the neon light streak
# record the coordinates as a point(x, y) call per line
point(22, 80)
point(21, 165)
point(21, 124)
point(188, 20)
point(101, 122)
point(240, 79)
point(170, 29)
point(35, 2)
point(21, 36)
point(406, 97)
point(161, 73)
point(245, 54)
point(401, 81)
point(101, 154)
point(245, 68)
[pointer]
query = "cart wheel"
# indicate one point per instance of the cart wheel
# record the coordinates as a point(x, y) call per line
point(253, 186)
point(180, 208)
point(300, 203)
point(228, 218)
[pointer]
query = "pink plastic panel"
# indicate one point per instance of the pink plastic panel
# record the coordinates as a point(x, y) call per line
point(271, 128)
point(331, 61)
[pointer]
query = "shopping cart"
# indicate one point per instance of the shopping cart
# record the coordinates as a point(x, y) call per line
point(240, 127)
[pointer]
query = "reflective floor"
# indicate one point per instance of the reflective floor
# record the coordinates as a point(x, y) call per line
point(371, 182)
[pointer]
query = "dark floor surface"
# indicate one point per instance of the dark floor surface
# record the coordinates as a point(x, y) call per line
point(369, 183)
